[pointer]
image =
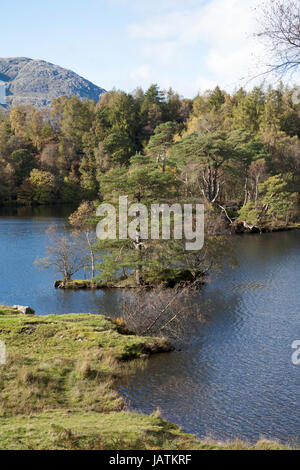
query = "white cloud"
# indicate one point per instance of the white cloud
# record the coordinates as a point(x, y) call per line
point(219, 34)
point(163, 52)
point(206, 22)
point(202, 84)
point(141, 73)
point(161, 27)
point(159, 5)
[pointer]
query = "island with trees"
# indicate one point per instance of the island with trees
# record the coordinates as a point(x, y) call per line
point(238, 154)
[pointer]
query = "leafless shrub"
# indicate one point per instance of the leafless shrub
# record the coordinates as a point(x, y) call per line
point(171, 313)
point(65, 254)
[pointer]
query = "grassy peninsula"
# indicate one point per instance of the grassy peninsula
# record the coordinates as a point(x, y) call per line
point(58, 389)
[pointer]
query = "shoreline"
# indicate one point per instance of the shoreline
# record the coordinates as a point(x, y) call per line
point(241, 230)
point(77, 284)
point(52, 387)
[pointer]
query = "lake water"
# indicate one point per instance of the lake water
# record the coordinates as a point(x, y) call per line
point(22, 241)
point(236, 377)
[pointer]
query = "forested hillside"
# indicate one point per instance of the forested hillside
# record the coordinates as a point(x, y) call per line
point(238, 153)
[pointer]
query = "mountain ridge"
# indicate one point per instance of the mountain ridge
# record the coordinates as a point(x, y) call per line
point(38, 82)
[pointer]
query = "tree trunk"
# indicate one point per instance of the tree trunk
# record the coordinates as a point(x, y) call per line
point(138, 277)
point(138, 246)
point(246, 191)
point(67, 278)
point(92, 258)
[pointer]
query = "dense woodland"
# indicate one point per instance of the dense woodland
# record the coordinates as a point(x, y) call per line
point(239, 154)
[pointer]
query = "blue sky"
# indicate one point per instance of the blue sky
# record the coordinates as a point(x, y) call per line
point(190, 45)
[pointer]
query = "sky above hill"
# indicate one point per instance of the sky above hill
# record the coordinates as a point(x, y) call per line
point(190, 45)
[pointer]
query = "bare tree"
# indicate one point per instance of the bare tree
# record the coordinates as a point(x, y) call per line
point(65, 254)
point(170, 313)
point(280, 27)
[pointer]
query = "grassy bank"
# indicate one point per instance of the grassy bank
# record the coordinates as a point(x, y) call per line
point(58, 389)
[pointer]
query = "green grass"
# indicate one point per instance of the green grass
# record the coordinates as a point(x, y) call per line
point(58, 389)
point(116, 430)
point(86, 284)
point(5, 310)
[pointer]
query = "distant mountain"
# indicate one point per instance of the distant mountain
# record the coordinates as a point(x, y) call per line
point(36, 82)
